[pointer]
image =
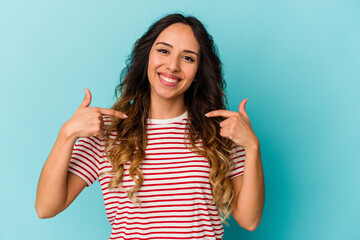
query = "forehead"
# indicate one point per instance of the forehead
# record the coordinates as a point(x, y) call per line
point(180, 36)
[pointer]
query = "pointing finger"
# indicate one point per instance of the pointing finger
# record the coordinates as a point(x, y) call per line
point(112, 112)
point(222, 113)
point(87, 100)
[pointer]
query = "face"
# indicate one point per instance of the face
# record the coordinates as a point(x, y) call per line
point(173, 63)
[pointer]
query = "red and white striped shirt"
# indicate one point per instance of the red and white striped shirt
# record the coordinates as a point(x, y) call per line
point(176, 194)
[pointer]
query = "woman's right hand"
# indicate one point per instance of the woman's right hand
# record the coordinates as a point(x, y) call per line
point(87, 121)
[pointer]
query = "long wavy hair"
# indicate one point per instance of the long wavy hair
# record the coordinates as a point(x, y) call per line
point(204, 95)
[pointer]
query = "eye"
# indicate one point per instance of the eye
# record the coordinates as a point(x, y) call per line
point(162, 50)
point(190, 59)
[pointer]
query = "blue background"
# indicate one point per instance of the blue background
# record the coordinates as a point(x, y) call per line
point(297, 61)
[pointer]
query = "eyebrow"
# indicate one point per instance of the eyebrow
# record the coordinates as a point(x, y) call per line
point(169, 45)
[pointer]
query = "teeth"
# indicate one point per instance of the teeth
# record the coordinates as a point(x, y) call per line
point(166, 79)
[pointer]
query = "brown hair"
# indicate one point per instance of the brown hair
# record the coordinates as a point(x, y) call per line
point(204, 95)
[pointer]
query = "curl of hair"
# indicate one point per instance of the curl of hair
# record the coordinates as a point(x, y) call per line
point(204, 95)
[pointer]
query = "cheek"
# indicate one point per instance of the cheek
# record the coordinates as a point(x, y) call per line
point(154, 61)
point(191, 72)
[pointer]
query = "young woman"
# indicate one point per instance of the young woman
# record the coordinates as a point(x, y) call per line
point(170, 159)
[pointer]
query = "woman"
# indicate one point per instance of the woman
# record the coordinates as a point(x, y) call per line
point(169, 158)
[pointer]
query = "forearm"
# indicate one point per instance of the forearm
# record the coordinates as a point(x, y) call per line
point(52, 189)
point(250, 202)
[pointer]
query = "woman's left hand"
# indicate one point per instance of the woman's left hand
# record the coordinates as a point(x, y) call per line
point(237, 126)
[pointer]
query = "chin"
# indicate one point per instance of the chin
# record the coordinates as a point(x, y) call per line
point(168, 95)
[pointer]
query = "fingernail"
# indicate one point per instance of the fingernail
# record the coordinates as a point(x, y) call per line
point(207, 114)
point(125, 115)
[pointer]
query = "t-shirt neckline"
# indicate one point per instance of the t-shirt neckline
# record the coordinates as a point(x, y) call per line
point(169, 120)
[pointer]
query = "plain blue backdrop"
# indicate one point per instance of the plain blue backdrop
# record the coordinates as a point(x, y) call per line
point(297, 61)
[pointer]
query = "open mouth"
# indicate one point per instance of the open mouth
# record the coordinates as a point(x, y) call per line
point(169, 81)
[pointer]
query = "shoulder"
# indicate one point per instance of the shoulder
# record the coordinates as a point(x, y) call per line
point(92, 142)
point(236, 150)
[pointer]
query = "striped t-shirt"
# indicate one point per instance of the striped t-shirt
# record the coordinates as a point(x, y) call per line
point(176, 194)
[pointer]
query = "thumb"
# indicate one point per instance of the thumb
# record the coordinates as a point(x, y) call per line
point(87, 100)
point(242, 109)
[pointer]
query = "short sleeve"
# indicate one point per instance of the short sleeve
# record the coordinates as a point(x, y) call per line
point(237, 156)
point(85, 159)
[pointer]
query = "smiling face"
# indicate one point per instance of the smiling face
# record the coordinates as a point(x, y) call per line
point(173, 63)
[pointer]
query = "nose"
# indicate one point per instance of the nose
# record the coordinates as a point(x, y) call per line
point(173, 64)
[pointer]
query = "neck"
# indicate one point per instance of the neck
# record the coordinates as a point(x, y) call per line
point(164, 109)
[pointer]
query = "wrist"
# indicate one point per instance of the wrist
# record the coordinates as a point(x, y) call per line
point(67, 132)
point(255, 146)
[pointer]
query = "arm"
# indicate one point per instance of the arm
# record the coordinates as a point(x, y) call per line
point(249, 191)
point(57, 187)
